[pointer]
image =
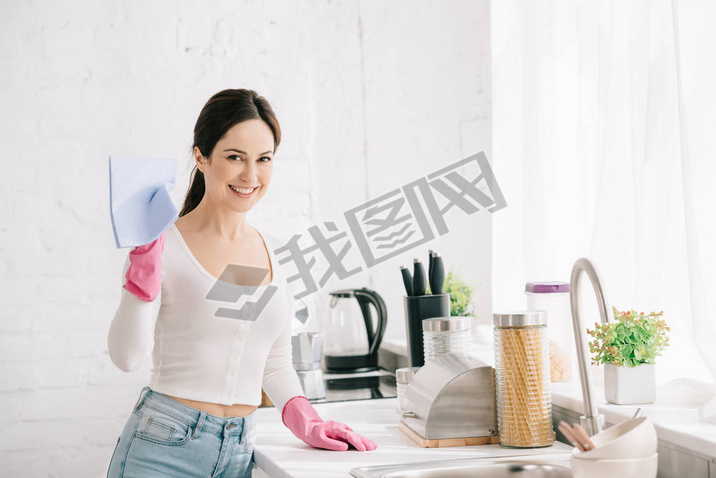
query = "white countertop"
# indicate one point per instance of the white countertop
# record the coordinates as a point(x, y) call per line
point(281, 455)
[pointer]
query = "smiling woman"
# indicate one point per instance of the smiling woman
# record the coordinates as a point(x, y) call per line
point(231, 173)
point(197, 415)
point(254, 125)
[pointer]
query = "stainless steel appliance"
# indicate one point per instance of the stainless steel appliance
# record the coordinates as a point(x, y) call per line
point(452, 396)
point(307, 349)
point(352, 335)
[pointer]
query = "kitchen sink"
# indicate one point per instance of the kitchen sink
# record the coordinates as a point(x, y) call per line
point(470, 467)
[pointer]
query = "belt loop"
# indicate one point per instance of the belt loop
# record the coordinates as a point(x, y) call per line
point(141, 398)
point(199, 424)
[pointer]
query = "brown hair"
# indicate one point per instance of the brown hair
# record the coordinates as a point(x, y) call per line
point(224, 110)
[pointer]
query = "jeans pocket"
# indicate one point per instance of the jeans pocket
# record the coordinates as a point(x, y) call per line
point(162, 428)
point(250, 434)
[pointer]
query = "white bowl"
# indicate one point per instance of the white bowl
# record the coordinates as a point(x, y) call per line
point(634, 438)
point(627, 468)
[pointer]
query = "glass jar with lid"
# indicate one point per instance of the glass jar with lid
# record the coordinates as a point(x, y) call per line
point(445, 335)
point(523, 393)
point(403, 376)
point(553, 298)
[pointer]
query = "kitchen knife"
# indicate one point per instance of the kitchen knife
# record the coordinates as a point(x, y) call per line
point(407, 280)
point(430, 269)
point(437, 278)
point(418, 278)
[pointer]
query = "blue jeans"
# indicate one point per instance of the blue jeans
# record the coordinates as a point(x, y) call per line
point(165, 438)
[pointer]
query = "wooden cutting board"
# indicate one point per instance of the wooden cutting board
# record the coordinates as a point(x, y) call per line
point(445, 442)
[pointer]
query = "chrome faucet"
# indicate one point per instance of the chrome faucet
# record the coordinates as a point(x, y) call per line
point(591, 421)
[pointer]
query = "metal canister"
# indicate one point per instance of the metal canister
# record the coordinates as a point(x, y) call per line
point(402, 380)
point(523, 393)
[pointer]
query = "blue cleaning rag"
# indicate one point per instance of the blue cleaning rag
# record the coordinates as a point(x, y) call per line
point(139, 200)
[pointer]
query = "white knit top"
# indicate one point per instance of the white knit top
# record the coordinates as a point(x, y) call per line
point(197, 355)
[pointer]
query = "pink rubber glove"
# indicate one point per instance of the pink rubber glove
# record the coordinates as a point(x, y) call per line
point(302, 419)
point(144, 275)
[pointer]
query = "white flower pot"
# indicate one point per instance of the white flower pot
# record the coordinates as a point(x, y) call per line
point(630, 385)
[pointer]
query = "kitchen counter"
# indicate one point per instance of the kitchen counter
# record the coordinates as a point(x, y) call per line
point(279, 454)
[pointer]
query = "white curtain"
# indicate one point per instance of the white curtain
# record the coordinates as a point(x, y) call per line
point(605, 147)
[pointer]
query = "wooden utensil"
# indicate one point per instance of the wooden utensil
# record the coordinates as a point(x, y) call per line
point(567, 432)
point(582, 437)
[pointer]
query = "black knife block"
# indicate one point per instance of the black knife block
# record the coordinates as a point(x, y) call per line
point(417, 308)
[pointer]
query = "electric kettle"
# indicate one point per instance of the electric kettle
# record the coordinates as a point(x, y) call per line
point(351, 335)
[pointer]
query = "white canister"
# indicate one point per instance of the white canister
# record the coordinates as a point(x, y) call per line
point(553, 298)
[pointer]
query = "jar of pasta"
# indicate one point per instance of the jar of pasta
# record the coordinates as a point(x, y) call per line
point(523, 394)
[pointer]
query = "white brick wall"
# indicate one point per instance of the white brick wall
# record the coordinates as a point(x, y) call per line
point(370, 95)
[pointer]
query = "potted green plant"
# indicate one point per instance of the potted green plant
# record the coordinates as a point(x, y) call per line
point(461, 293)
point(461, 301)
point(628, 348)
